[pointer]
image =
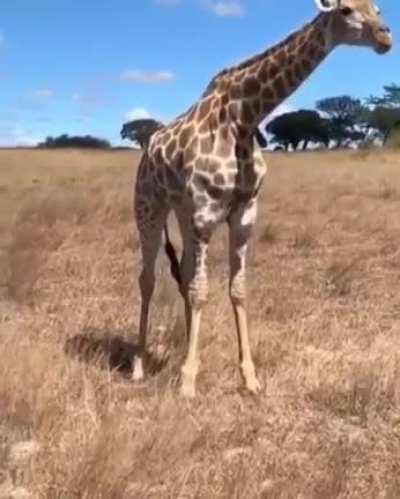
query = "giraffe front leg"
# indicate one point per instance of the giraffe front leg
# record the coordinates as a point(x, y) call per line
point(187, 268)
point(197, 294)
point(240, 227)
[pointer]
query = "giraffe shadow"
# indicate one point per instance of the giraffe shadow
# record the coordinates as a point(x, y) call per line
point(109, 350)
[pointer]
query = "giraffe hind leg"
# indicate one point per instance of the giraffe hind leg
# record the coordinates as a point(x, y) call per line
point(186, 266)
point(150, 219)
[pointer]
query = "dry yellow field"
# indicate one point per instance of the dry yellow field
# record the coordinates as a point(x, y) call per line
point(324, 287)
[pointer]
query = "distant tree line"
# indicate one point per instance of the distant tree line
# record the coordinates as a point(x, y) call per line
point(86, 141)
point(338, 121)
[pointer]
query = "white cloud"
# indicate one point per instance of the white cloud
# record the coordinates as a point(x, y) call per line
point(138, 76)
point(35, 100)
point(88, 103)
point(43, 93)
point(15, 135)
point(226, 8)
point(221, 8)
point(93, 98)
point(87, 99)
point(137, 114)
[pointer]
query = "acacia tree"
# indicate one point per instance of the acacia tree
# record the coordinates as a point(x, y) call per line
point(140, 131)
point(390, 98)
point(384, 112)
point(345, 115)
point(381, 119)
point(290, 129)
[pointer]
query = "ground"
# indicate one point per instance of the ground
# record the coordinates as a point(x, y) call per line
point(324, 303)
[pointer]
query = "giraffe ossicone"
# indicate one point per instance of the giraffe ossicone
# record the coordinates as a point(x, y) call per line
point(207, 168)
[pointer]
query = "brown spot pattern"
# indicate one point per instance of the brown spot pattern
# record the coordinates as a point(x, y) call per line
point(219, 179)
point(251, 87)
point(298, 70)
point(185, 136)
point(158, 157)
point(247, 112)
point(280, 87)
point(307, 65)
point(204, 108)
point(273, 70)
point(236, 92)
point(263, 74)
point(268, 93)
point(280, 58)
point(256, 106)
point(206, 145)
point(170, 148)
point(223, 115)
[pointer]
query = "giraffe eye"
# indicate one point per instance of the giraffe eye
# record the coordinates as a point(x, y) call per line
point(346, 11)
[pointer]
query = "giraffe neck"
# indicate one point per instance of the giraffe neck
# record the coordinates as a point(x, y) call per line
point(257, 86)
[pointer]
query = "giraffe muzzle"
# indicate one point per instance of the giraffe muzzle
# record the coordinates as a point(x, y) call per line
point(383, 40)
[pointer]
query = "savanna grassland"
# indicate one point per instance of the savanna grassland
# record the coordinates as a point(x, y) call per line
point(324, 299)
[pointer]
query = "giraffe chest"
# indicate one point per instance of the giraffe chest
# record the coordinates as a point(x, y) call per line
point(215, 194)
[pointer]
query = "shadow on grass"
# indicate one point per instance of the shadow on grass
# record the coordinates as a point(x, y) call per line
point(110, 350)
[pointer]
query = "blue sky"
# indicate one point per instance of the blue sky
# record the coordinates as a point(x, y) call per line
point(85, 67)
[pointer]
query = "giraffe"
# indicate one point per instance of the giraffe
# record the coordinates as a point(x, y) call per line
point(207, 168)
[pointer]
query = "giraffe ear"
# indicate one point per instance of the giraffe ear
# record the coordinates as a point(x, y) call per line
point(327, 5)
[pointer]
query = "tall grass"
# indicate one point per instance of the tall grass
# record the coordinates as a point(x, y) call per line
point(323, 299)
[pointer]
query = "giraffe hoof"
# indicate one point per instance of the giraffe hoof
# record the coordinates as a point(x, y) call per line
point(137, 374)
point(188, 390)
point(253, 386)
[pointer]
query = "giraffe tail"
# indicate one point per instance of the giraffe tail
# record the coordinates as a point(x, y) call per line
point(171, 253)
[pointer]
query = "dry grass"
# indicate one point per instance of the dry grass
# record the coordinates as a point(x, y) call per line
point(325, 313)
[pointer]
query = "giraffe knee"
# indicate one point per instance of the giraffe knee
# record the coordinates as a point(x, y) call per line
point(146, 283)
point(198, 294)
point(238, 292)
point(183, 289)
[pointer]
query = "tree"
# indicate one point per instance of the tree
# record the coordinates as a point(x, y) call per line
point(391, 97)
point(290, 129)
point(383, 112)
point(314, 128)
point(381, 119)
point(86, 141)
point(345, 118)
point(140, 131)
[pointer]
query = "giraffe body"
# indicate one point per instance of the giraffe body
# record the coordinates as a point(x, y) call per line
point(203, 192)
point(207, 167)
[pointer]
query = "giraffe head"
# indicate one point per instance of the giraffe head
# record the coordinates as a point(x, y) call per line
point(356, 22)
